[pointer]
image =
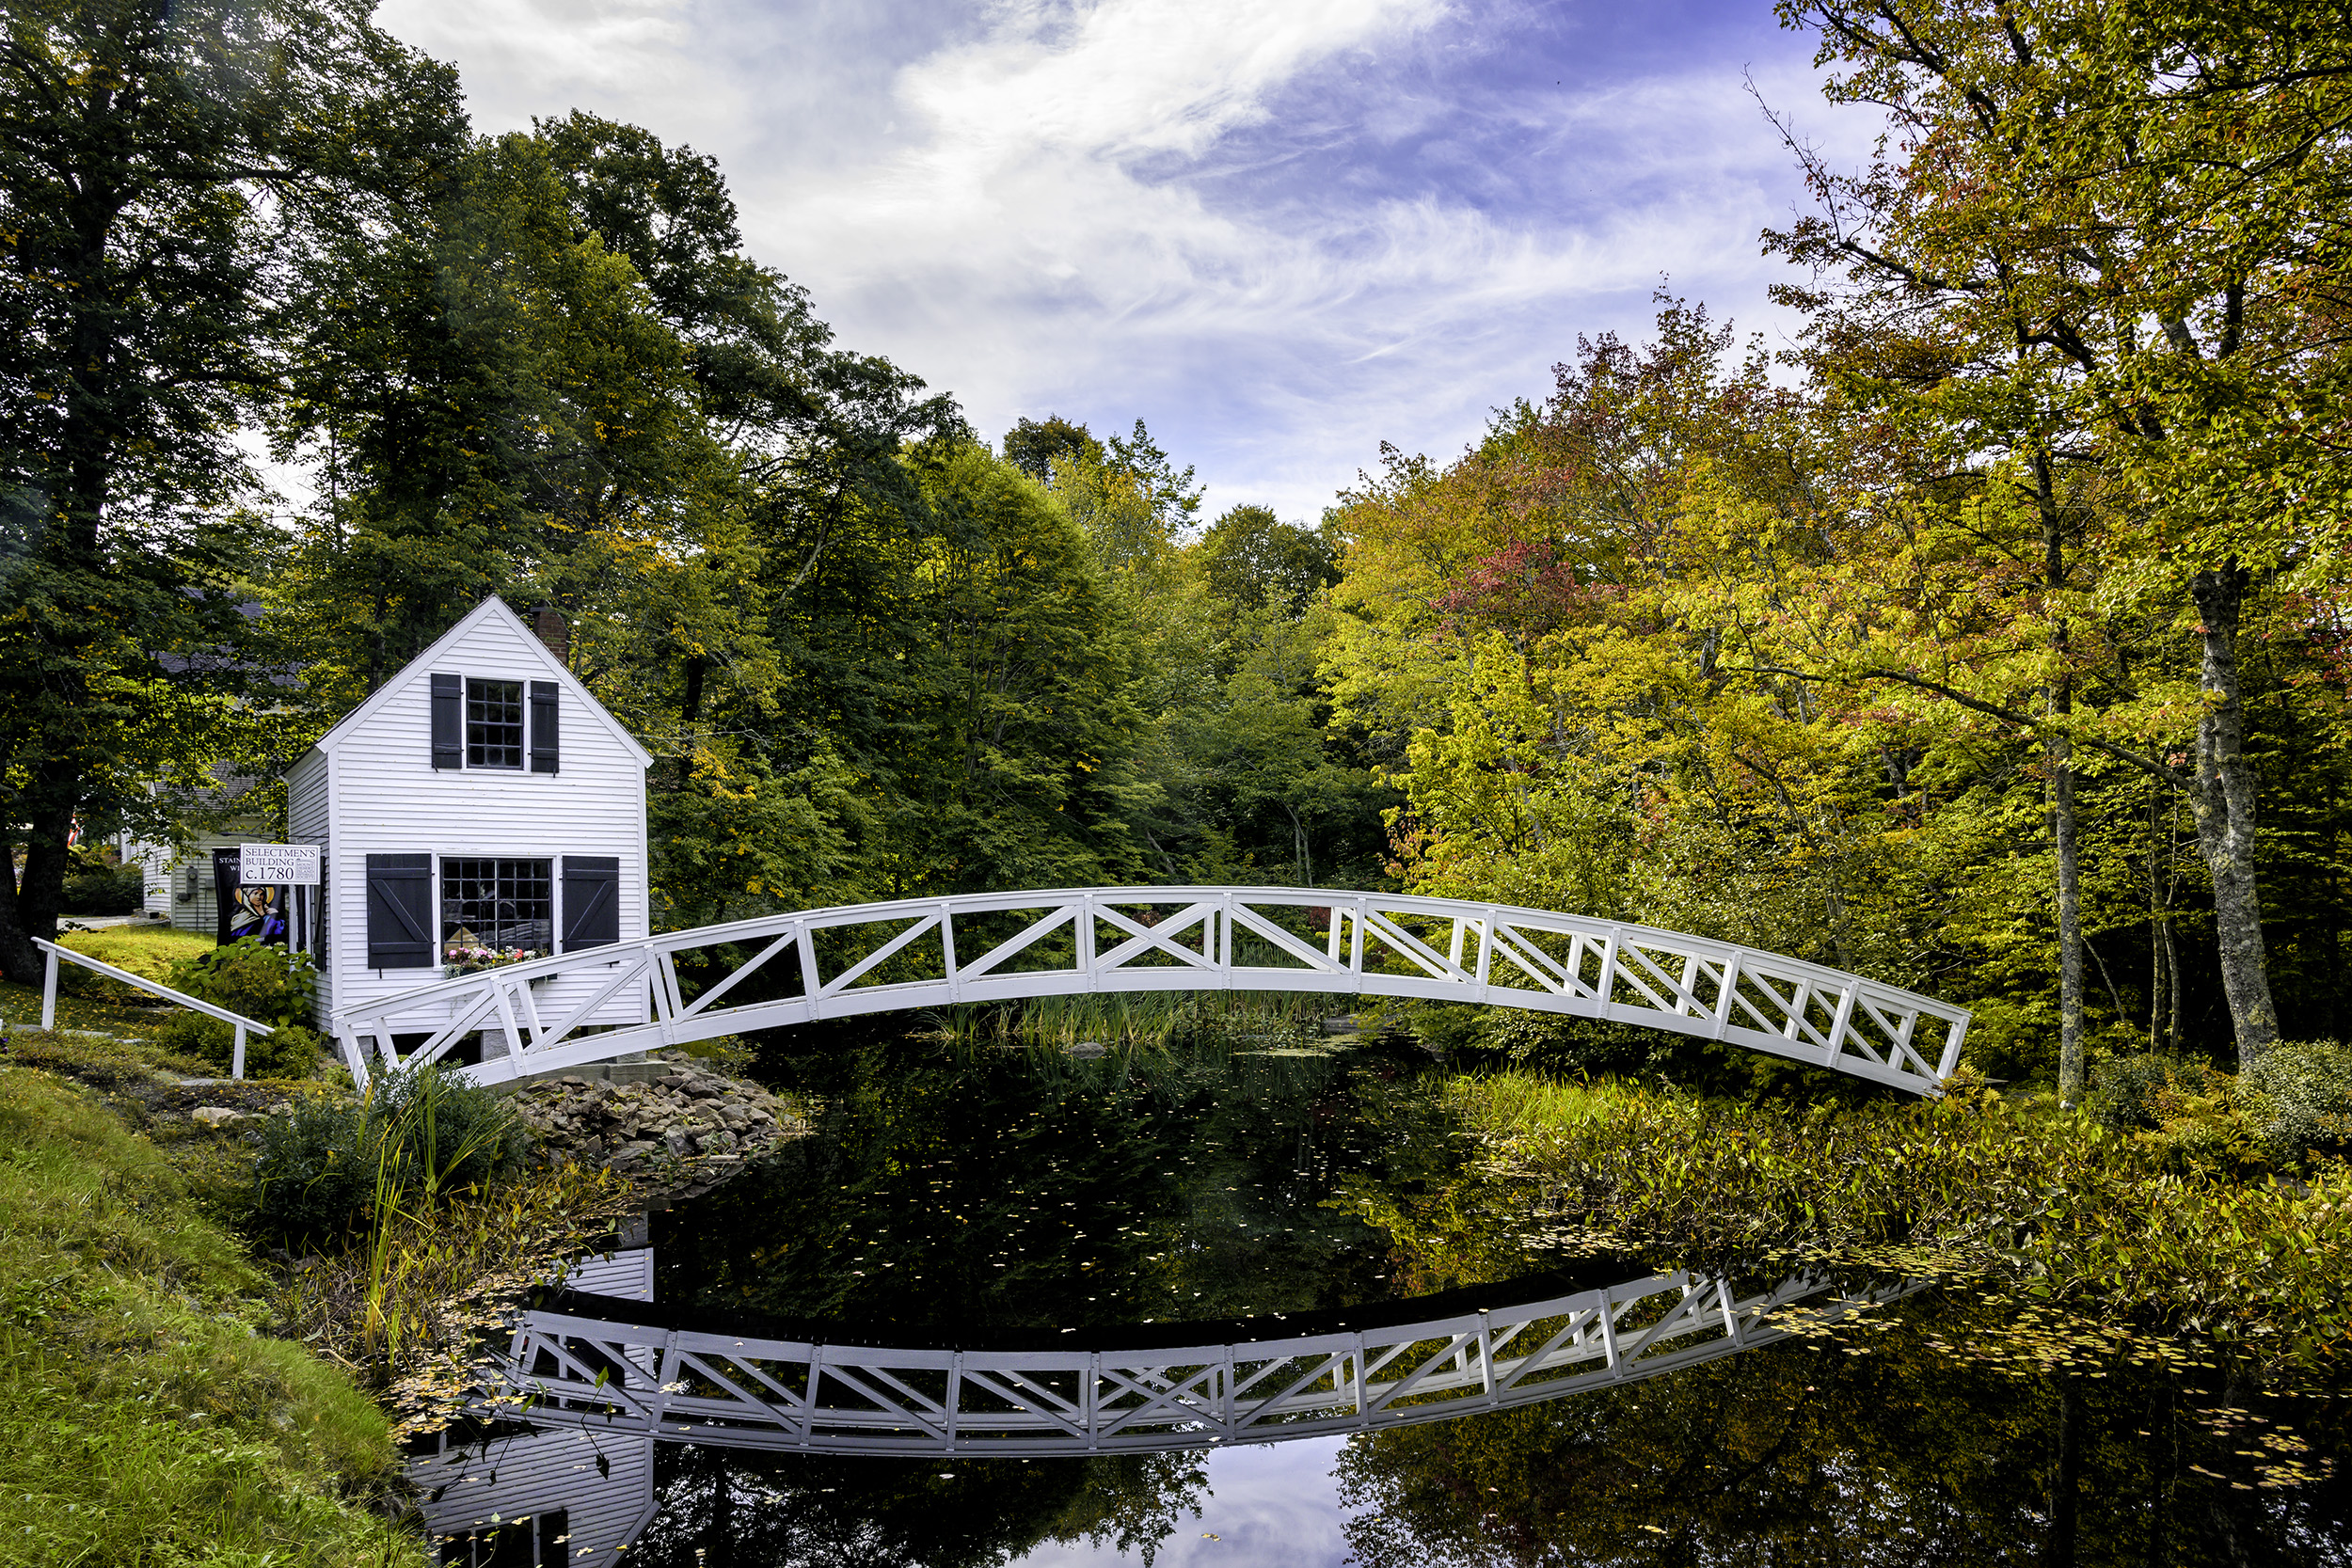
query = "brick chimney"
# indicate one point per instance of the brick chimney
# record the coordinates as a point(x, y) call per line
point(555, 631)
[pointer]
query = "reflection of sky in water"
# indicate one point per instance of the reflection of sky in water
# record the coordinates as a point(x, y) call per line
point(1270, 1507)
point(1029, 1191)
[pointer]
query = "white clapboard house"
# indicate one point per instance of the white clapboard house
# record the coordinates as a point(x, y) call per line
point(481, 798)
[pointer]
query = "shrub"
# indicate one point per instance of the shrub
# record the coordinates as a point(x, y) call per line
point(262, 980)
point(104, 890)
point(289, 1051)
point(2299, 1094)
point(2193, 1115)
point(2134, 1094)
point(2122, 1096)
point(328, 1168)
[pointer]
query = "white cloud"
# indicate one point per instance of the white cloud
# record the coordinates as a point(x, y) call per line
point(1270, 1505)
point(1282, 233)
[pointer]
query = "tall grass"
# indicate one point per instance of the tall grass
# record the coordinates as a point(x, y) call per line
point(435, 1227)
point(1145, 1018)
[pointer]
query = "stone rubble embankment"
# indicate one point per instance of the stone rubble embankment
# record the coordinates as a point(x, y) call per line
point(676, 1137)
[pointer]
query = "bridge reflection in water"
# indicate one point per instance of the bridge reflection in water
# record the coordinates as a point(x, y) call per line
point(618, 1366)
point(594, 1383)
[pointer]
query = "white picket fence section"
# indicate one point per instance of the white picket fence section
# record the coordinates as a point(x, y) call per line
point(568, 1366)
point(812, 965)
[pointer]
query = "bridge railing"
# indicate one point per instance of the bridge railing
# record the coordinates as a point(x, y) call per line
point(838, 962)
point(572, 1367)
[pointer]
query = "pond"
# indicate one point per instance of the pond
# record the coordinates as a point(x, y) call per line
point(995, 1214)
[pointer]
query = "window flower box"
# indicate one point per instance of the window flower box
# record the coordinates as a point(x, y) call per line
point(458, 959)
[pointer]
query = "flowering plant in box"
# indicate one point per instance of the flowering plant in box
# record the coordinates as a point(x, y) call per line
point(462, 954)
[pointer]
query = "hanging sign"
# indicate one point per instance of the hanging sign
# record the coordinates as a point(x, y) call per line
point(278, 864)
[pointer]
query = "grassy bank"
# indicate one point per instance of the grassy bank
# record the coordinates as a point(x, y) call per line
point(144, 1417)
point(2046, 1202)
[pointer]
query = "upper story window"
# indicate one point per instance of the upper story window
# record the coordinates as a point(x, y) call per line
point(494, 723)
point(491, 724)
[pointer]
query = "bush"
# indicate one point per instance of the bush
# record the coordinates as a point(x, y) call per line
point(2299, 1094)
point(289, 1051)
point(2134, 1094)
point(2193, 1115)
point(2122, 1096)
point(262, 980)
point(104, 890)
point(328, 1168)
point(146, 950)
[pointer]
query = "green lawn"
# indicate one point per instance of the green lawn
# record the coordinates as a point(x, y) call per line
point(144, 1417)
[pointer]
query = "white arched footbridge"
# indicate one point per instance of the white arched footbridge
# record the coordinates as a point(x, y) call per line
point(786, 969)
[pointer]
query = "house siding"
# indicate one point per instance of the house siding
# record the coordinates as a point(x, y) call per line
point(179, 884)
point(308, 822)
point(538, 1471)
point(545, 1469)
point(386, 798)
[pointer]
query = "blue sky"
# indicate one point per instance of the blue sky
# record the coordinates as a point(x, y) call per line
point(1281, 231)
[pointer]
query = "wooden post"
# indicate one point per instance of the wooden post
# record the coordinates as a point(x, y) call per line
point(236, 1055)
point(49, 995)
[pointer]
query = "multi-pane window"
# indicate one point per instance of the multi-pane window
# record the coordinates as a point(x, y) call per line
point(497, 903)
point(494, 723)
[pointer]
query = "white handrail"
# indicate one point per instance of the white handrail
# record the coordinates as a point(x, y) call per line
point(49, 998)
point(1692, 985)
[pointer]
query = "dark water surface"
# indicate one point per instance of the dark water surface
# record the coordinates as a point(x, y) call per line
point(952, 1192)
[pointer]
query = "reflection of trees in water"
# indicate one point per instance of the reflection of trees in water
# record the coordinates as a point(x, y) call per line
point(986, 1189)
point(1807, 1454)
point(723, 1508)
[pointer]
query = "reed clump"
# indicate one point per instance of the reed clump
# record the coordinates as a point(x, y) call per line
point(426, 1224)
point(1141, 1019)
point(2045, 1200)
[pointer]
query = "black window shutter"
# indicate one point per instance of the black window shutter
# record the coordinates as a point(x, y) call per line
point(543, 727)
point(592, 901)
point(400, 912)
point(449, 722)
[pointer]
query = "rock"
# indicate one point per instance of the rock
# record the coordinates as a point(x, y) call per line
point(677, 1141)
point(214, 1116)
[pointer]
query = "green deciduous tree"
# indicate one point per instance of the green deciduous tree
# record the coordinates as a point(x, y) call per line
point(164, 170)
point(2109, 237)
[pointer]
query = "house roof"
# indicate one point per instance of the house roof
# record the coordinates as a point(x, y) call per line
point(492, 610)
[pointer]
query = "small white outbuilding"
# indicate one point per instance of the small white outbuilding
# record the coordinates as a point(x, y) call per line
point(481, 798)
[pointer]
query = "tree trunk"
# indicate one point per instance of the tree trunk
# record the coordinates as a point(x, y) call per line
point(31, 908)
point(2061, 755)
point(2222, 801)
point(2066, 1476)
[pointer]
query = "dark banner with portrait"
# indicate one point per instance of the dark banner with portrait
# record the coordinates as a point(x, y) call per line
point(256, 910)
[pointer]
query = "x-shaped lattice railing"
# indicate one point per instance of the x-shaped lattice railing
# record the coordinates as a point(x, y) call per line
point(794, 968)
point(681, 1384)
